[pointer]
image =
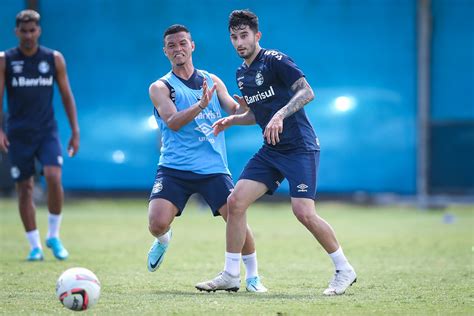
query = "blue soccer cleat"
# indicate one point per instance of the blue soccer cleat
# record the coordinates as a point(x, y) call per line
point(156, 254)
point(255, 285)
point(57, 248)
point(36, 254)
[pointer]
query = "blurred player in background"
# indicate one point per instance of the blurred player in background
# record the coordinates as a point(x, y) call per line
point(29, 72)
point(276, 91)
point(192, 159)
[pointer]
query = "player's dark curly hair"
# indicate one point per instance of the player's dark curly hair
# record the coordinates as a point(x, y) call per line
point(238, 19)
point(176, 28)
point(26, 16)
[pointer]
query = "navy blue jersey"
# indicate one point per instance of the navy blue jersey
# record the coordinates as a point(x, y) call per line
point(29, 83)
point(266, 87)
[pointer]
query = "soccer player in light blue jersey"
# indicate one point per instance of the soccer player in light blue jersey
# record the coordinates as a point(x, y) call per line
point(29, 72)
point(275, 90)
point(187, 102)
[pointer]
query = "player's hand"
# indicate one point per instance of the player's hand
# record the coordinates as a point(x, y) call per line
point(242, 104)
point(206, 94)
point(73, 145)
point(274, 129)
point(222, 124)
point(4, 143)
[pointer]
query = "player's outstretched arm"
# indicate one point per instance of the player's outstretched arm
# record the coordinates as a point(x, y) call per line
point(3, 137)
point(68, 102)
point(303, 95)
point(246, 118)
point(174, 119)
point(227, 103)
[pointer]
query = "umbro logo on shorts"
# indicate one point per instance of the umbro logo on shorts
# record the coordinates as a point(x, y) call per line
point(302, 187)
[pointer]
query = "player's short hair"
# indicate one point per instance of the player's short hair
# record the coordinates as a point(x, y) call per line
point(26, 16)
point(241, 18)
point(176, 28)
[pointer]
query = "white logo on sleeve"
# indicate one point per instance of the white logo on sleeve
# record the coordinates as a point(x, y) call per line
point(302, 187)
point(60, 160)
point(43, 67)
point(157, 187)
point(15, 172)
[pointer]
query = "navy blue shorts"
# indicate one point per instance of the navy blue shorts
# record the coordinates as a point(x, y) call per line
point(177, 186)
point(271, 167)
point(23, 151)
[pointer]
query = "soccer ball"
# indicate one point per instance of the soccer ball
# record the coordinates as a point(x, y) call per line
point(78, 289)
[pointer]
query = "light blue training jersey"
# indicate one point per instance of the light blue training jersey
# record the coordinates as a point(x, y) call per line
point(193, 147)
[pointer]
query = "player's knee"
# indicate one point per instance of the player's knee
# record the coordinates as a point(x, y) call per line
point(304, 215)
point(157, 227)
point(235, 205)
point(53, 178)
point(25, 189)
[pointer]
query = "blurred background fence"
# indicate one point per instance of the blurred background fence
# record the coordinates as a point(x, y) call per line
point(360, 56)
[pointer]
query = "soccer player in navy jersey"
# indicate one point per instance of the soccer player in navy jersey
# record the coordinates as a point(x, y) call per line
point(29, 72)
point(187, 102)
point(275, 90)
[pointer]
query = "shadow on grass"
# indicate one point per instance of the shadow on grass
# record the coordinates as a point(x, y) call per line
point(248, 295)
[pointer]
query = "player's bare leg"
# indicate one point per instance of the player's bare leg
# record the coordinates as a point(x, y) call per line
point(345, 275)
point(245, 193)
point(161, 214)
point(305, 212)
point(249, 257)
point(249, 244)
point(53, 176)
point(27, 210)
point(26, 204)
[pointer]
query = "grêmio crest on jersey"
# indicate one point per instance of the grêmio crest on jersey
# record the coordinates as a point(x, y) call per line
point(259, 81)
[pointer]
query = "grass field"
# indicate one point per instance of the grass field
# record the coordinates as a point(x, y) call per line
point(408, 262)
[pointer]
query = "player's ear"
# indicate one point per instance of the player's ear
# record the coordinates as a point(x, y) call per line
point(258, 36)
point(39, 30)
point(193, 46)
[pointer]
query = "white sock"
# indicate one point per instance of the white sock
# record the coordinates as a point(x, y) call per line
point(232, 263)
point(165, 238)
point(33, 237)
point(54, 222)
point(251, 265)
point(340, 260)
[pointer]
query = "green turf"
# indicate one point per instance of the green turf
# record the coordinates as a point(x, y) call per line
point(408, 262)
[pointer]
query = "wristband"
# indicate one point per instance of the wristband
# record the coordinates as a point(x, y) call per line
point(199, 104)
